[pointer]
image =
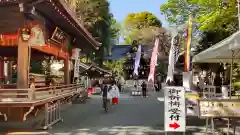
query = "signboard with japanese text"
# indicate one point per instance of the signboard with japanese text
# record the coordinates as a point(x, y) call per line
point(191, 99)
point(175, 110)
point(225, 108)
point(209, 91)
point(76, 68)
point(37, 37)
point(59, 36)
point(75, 56)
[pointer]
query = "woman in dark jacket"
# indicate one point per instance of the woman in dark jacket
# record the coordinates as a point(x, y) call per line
point(144, 89)
point(104, 97)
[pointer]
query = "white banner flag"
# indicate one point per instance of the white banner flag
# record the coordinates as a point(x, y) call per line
point(137, 60)
point(173, 56)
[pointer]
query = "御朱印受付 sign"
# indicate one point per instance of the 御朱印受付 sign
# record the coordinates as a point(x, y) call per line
point(175, 111)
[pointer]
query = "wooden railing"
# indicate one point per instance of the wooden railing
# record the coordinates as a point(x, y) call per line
point(28, 95)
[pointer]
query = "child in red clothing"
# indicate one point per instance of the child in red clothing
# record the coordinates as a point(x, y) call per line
point(115, 93)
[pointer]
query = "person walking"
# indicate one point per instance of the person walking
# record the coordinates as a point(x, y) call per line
point(105, 97)
point(144, 89)
point(156, 87)
point(115, 93)
point(121, 83)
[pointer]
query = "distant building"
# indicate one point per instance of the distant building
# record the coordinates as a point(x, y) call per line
point(128, 51)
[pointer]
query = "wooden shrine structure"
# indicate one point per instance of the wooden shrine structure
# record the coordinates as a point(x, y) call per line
point(128, 51)
point(29, 30)
point(94, 71)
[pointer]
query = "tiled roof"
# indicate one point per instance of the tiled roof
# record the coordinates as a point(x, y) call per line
point(120, 51)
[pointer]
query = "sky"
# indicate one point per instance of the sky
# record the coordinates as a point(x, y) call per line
point(121, 8)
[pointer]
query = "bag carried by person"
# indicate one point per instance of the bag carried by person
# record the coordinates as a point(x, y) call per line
point(115, 100)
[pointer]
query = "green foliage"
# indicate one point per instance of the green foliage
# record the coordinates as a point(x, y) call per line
point(210, 15)
point(142, 27)
point(115, 28)
point(96, 17)
point(117, 66)
point(175, 11)
point(236, 84)
point(141, 20)
point(84, 60)
point(92, 13)
point(213, 19)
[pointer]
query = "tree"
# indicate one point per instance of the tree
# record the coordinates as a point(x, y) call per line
point(136, 25)
point(115, 29)
point(96, 17)
point(216, 20)
point(117, 66)
point(210, 15)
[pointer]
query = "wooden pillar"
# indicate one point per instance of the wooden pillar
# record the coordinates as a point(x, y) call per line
point(9, 71)
point(66, 71)
point(1, 71)
point(22, 64)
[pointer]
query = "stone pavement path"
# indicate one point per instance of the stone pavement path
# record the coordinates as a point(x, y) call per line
point(132, 116)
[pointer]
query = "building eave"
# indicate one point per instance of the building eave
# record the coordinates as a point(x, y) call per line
point(73, 18)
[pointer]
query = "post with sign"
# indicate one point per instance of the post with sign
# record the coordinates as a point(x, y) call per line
point(76, 58)
point(175, 111)
point(36, 39)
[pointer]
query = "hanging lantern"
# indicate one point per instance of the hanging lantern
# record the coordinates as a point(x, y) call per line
point(25, 33)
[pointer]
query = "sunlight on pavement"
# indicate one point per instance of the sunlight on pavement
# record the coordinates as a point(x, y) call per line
point(28, 133)
point(130, 129)
point(63, 134)
point(161, 99)
point(115, 130)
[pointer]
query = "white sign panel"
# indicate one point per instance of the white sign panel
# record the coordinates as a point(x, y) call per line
point(175, 111)
point(76, 68)
point(75, 53)
point(187, 80)
point(37, 37)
